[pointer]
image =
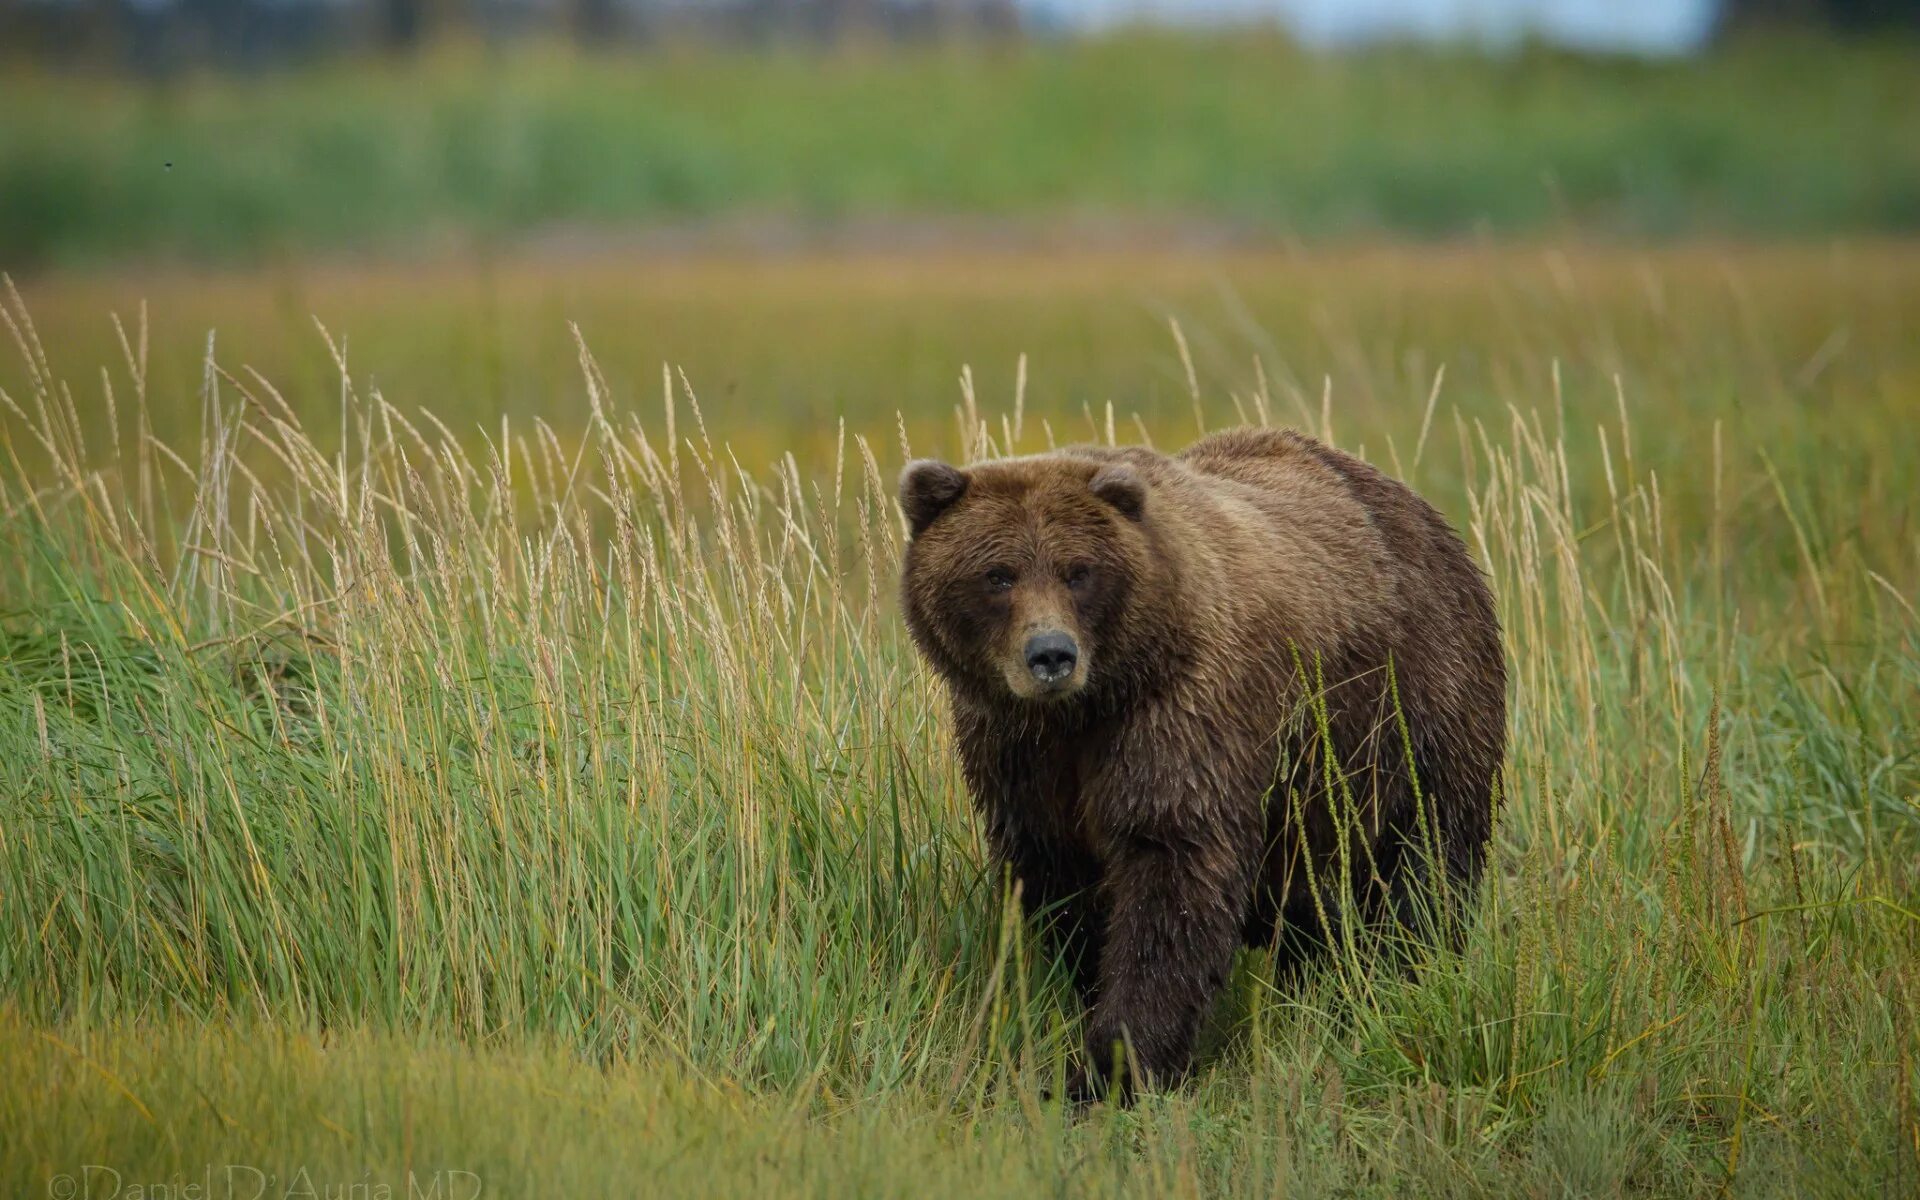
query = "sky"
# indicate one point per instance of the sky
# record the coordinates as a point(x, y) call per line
point(1640, 26)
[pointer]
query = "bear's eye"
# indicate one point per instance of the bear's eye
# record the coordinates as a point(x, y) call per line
point(1078, 575)
point(999, 579)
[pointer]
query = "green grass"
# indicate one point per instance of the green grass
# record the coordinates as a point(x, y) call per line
point(564, 805)
point(1772, 137)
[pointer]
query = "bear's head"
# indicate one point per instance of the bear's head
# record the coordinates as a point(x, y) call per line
point(1026, 578)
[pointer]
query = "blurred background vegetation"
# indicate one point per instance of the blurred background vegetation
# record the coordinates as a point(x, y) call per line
point(220, 130)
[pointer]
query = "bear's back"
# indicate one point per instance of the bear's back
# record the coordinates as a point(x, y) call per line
point(1304, 557)
point(1303, 483)
point(1265, 459)
point(1435, 612)
point(1440, 628)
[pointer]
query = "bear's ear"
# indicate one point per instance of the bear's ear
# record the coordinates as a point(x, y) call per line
point(927, 489)
point(1122, 487)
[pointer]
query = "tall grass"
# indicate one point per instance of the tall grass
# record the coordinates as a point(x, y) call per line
point(569, 809)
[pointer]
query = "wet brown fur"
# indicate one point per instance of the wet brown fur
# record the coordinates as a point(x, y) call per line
point(1176, 802)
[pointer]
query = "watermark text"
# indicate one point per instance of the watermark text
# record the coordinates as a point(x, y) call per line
point(245, 1181)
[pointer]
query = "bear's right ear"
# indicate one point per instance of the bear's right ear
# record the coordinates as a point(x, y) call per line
point(927, 489)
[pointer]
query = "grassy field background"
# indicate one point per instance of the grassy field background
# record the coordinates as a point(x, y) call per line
point(555, 803)
point(1244, 132)
point(456, 732)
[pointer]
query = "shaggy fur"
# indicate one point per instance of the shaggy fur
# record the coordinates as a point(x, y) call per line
point(1229, 611)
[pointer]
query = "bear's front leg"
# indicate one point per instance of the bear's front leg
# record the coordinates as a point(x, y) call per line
point(1174, 917)
point(1059, 894)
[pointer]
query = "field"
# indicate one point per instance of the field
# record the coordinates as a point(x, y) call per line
point(548, 802)
point(478, 145)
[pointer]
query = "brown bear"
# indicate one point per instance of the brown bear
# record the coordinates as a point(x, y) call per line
point(1147, 657)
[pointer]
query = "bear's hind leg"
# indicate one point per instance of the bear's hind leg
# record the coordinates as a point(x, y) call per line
point(1427, 899)
point(1299, 940)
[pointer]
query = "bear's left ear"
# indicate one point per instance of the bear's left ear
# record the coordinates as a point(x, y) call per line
point(1122, 487)
point(927, 489)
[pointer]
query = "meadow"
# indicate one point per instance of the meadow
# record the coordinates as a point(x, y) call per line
point(479, 144)
point(446, 752)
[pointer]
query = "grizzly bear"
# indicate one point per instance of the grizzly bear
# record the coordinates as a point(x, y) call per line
point(1250, 692)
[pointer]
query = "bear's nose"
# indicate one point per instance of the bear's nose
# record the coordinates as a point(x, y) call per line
point(1050, 656)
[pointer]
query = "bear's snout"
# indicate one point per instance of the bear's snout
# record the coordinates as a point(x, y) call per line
point(1051, 658)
